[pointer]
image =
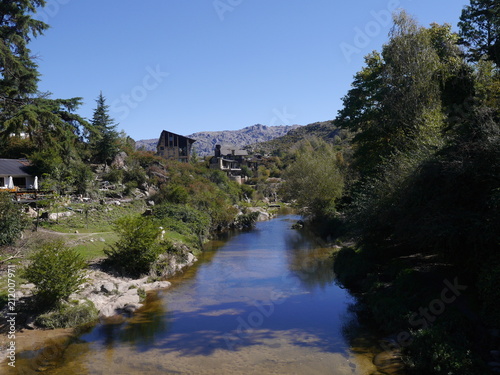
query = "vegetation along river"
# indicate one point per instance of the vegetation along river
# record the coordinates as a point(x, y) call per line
point(260, 302)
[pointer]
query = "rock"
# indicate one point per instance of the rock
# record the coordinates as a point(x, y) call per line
point(130, 309)
point(107, 287)
point(156, 285)
point(119, 160)
point(263, 214)
point(30, 323)
point(150, 203)
point(60, 215)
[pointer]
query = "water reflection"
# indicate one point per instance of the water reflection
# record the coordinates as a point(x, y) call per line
point(140, 331)
point(264, 301)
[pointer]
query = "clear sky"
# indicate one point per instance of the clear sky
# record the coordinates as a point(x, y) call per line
point(200, 65)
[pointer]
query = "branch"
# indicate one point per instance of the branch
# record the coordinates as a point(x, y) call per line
point(15, 256)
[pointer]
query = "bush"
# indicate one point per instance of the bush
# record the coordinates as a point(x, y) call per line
point(12, 220)
point(198, 222)
point(137, 247)
point(489, 293)
point(56, 271)
point(436, 351)
point(69, 316)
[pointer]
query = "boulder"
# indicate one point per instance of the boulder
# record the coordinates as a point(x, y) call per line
point(119, 160)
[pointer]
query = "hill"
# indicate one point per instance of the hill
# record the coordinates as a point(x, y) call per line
point(326, 130)
point(206, 141)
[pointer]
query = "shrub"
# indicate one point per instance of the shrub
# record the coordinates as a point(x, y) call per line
point(197, 221)
point(69, 316)
point(489, 293)
point(137, 247)
point(12, 220)
point(436, 351)
point(57, 271)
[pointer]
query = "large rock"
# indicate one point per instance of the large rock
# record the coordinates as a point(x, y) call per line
point(263, 214)
point(119, 160)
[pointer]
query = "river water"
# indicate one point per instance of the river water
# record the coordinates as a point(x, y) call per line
point(259, 302)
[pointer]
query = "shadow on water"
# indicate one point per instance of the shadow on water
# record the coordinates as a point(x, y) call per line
point(272, 288)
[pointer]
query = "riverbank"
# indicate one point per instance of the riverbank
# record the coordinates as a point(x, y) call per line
point(425, 310)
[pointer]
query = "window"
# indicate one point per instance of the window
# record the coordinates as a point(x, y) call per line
point(20, 182)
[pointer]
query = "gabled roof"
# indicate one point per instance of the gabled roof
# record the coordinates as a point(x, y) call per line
point(14, 167)
point(166, 131)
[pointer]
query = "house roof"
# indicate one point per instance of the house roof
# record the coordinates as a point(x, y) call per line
point(228, 150)
point(14, 167)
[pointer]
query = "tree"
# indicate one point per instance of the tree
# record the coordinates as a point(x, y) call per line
point(137, 247)
point(395, 105)
point(57, 271)
point(19, 75)
point(104, 139)
point(314, 180)
point(480, 29)
point(46, 122)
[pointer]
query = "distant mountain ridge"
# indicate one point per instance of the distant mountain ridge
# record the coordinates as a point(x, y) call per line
point(206, 141)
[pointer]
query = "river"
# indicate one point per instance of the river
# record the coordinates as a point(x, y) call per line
point(259, 302)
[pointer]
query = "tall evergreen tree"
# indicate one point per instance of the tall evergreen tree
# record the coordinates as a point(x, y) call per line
point(23, 110)
point(480, 29)
point(104, 139)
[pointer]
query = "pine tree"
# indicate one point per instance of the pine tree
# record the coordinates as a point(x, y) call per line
point(46, 122)
point(480, 29)
point(104, 139)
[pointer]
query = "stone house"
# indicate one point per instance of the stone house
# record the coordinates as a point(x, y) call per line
point(229, 160)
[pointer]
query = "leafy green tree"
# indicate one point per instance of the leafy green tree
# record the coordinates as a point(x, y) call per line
point(12, 220)
point(395, 104)
point(57, 271)
point(480, 29)
point(104, 139)
point(137, 247)
point(314, 180)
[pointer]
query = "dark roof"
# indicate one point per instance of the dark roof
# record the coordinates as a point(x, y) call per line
point(14, 167)
point(228, 150)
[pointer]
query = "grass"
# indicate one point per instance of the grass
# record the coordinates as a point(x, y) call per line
point(100, 218)
point(92, 247)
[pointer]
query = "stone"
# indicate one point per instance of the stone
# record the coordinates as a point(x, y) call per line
point(107, 287)
point(119, 160)
point(156, 285)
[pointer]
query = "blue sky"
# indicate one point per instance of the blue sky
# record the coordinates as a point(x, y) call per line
point(200, 65)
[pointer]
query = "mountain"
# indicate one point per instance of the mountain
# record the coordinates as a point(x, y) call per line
point(326, 130)
point(206, 141)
